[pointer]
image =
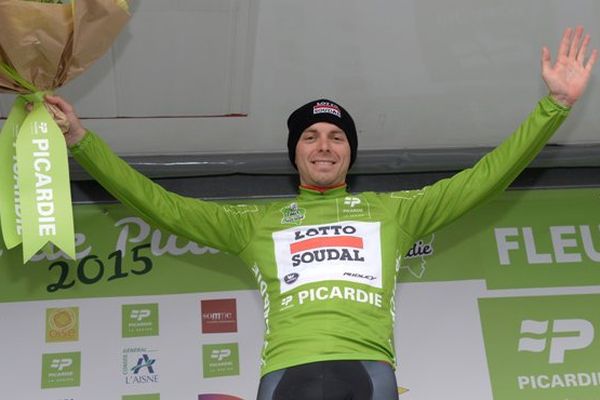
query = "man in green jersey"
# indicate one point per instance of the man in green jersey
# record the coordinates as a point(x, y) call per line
point(326, 261)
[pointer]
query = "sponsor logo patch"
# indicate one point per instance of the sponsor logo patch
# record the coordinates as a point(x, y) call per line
point(325, 107)
point(346, 251)
point(351, 207)
point(292, 214)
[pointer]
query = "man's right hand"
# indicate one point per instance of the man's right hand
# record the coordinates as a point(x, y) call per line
point(75, 131)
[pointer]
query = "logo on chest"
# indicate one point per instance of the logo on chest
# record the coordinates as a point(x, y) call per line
point(292, 214)
point(347, 251)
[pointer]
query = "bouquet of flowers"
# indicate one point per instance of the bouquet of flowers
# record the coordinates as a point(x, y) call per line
point(43, 45)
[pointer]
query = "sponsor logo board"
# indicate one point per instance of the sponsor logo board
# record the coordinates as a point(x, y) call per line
point(62, 324)
point(220, 360)
point(140, 366)
point(219, 316)
point(61, 370)
point(543, 347)
point(139, 320)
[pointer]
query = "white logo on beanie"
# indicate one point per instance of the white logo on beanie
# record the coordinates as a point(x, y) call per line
point(325, 107)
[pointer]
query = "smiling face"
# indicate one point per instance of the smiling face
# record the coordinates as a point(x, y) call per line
point(322, 155)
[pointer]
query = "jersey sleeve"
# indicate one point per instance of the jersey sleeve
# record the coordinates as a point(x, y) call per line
point(421, 212)
point(225, 227)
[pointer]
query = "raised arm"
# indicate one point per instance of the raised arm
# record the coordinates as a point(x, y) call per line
point(429, 209)
point(208, 223)
point(568, 77)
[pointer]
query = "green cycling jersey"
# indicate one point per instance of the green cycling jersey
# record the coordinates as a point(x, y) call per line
point(325, 262)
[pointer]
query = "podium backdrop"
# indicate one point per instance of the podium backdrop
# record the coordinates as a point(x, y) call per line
point(503, 304)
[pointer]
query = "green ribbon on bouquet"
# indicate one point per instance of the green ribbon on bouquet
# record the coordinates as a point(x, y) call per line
point(36, 207)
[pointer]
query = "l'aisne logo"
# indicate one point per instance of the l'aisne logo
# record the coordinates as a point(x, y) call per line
point(219, 316)
point(62, 324)
point(542, 348)
point(61, 370)
point(140, 365)
point(140, 320)
point(220, 360)
point(347, 251)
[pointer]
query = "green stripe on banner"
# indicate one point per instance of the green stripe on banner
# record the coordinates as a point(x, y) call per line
point(10, 200)
point(118, 254)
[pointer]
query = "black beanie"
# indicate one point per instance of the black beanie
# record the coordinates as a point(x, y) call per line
point(321, 110)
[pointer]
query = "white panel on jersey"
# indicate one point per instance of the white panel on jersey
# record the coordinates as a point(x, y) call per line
point(347, 251)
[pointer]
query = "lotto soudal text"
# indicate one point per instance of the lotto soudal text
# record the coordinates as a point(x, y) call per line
point(326, 243)
point(327, 107)
point(346, 251)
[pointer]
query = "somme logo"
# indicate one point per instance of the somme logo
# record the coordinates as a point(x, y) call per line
point(581, 330)
point(219, 315)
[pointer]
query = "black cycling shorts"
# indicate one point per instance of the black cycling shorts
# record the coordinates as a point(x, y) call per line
point(331, 380)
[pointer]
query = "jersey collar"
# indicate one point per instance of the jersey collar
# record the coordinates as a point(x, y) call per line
point(314, 192)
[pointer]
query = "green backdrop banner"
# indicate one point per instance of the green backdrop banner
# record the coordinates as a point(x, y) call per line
point(541, 238)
